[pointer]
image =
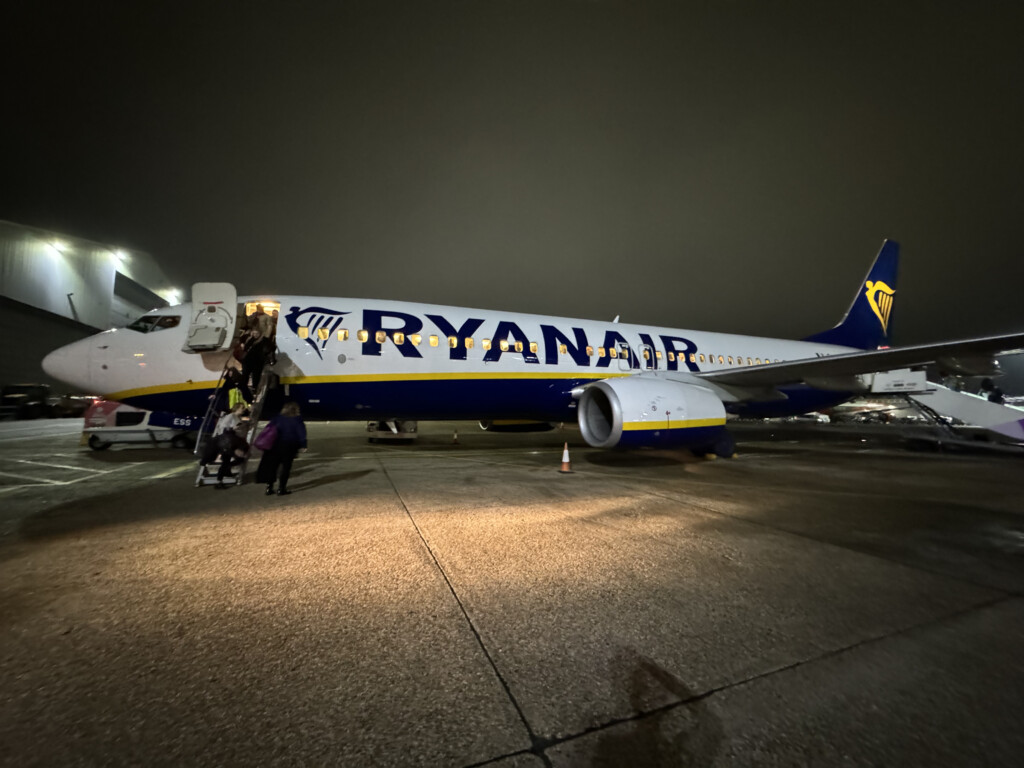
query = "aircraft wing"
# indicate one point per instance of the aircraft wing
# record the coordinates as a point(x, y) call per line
point(869, 361)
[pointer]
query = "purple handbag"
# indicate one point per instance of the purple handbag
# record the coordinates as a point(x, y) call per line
point(265, 440)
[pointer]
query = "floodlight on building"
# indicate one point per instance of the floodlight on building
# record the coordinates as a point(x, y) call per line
point(119, 256)
point(58, 245)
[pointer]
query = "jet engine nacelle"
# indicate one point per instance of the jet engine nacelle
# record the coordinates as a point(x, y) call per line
point(638, 411)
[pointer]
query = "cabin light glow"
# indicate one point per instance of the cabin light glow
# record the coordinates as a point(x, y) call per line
point(363, 335)
point(453, 342)
point(533, 347)
point(486, 343)
point(519, 346)
point(303, 332)
point(323, 334)
point(433, 341)
point(503, 345)
point(415, 338)
point(342, 334)
point(380, 337)
point(469, 342)
point(398, 337)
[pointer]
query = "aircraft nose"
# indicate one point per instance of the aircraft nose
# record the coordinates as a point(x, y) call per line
point(70, 364)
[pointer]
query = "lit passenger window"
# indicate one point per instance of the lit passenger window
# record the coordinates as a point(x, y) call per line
point(533, 347)
point(381, 336)
point(415, 338)
point(399, 337)
point(486, 344)
point(433, 341)
point(453, 342)
point(757, 360)
point(519, 346)
point(469, 342)
point(658, 354)
point(600, 352)
point(730, 359)
point(721, 360)
point(612, 352)
point(590, 351)
point(693, 358)
point(503, 345)
point(323, 334)
point(702, 357)
point(562, 349)
point(647, 354)
point(343, 335)
point(361, 335)
point(672, 356)
point(749, 361)
point(303, 332)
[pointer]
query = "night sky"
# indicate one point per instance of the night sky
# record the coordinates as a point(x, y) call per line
point(727, 166)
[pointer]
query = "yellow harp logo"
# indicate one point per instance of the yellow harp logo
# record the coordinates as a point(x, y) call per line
point(880, 298)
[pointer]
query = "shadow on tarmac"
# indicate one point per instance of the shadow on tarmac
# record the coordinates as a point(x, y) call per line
point(672, 735)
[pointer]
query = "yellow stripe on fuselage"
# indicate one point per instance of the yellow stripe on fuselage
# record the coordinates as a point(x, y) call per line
point(363, 377)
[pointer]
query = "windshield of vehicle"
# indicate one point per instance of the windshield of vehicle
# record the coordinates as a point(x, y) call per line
point(150, 323)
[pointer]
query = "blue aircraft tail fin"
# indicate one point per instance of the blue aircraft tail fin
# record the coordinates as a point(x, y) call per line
point(868, 322)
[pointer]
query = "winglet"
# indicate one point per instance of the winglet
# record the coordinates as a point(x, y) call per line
point(867, 324)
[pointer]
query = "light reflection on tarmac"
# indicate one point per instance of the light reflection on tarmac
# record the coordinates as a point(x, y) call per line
point(809, 603)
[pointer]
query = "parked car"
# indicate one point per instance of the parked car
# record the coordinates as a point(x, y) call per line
point(108, 422)
point(69, 405)
point(24, 401)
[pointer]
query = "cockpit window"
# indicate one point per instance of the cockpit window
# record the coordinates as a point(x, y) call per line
point(150, 323)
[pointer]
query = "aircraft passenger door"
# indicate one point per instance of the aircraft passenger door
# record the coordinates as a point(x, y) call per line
point(625, 357)
point(212, 323)
point(647, 357)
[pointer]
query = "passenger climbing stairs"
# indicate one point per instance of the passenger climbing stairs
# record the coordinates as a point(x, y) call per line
point(207, 473)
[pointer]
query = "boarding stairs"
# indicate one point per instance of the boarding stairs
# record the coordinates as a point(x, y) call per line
point(207, 473)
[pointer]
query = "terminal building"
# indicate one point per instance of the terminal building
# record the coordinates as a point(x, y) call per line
point(56, 288)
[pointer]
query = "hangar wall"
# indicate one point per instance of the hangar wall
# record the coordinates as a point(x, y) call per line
point(56, 288)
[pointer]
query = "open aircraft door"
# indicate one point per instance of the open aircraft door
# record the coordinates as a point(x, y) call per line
point(212, 324)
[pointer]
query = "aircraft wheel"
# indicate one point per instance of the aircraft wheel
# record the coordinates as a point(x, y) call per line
point(98, 444)
point(181, 441)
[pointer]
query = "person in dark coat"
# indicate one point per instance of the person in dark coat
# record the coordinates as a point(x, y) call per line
point(233, 448)
point(291, 438)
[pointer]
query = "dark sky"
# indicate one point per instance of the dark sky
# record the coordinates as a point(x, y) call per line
point(723, 165)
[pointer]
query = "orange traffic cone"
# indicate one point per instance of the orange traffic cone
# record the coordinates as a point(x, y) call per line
point(566, 464)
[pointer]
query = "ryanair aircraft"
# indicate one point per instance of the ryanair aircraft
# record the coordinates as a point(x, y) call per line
point(626, 385)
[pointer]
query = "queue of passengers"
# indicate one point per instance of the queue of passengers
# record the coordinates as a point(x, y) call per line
point(280, 441)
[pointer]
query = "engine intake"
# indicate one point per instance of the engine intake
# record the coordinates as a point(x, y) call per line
point(637, 411)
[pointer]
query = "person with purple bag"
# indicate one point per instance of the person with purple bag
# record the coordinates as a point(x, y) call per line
point(282, 438)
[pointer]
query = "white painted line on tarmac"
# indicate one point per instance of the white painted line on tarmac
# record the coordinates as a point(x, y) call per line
point(35, 480)
point(170, 472)
point(62, 466)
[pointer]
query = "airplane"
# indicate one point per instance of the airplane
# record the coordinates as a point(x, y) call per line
point(627, 385)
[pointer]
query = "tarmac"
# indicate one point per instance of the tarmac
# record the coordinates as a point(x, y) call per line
point(815, 601)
